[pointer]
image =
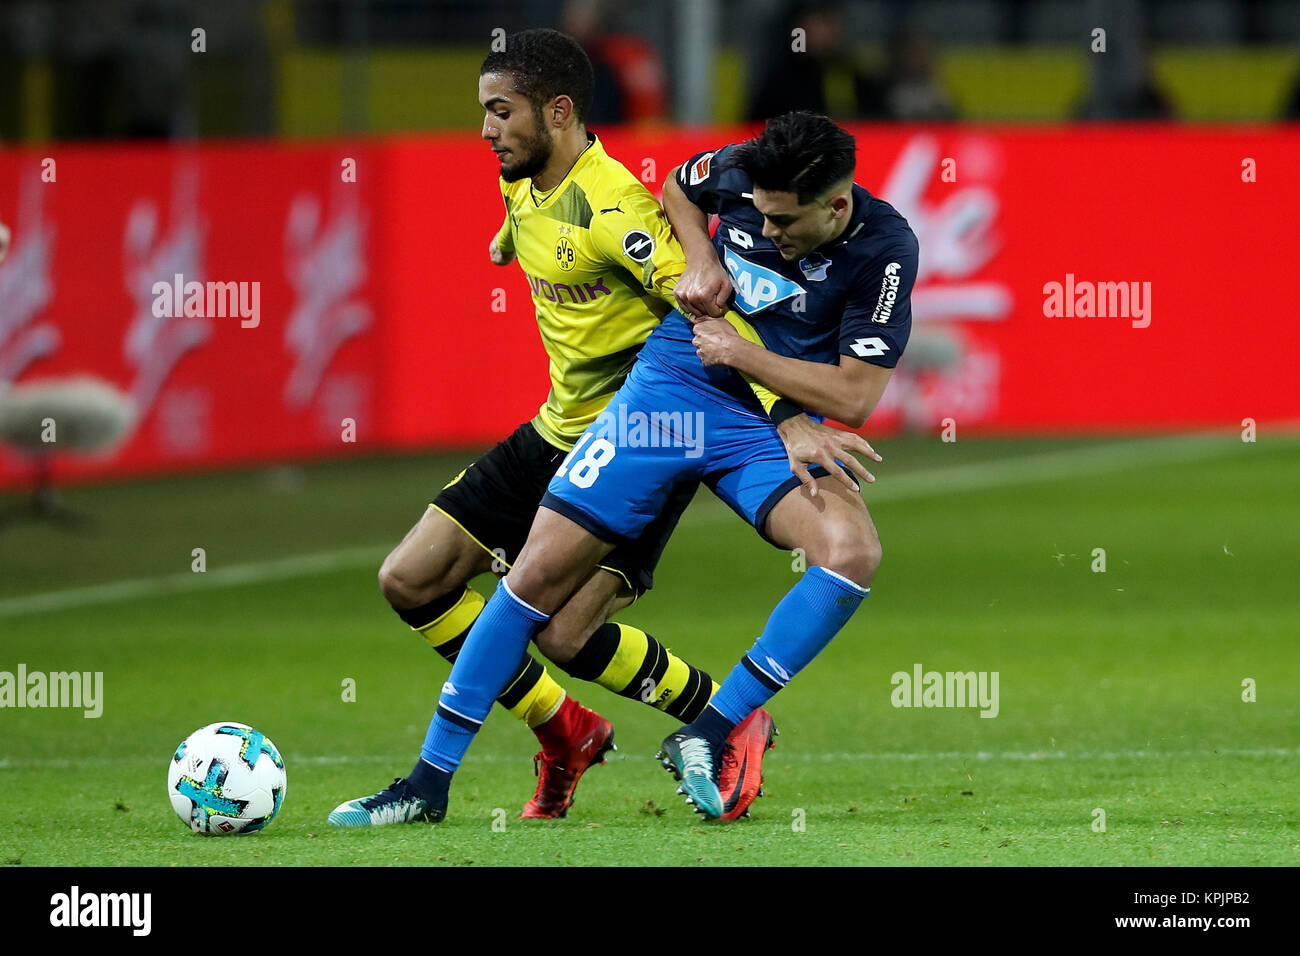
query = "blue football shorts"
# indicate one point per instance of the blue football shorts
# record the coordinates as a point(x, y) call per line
point(657, 434)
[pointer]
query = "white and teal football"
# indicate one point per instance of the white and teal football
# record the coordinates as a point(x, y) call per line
point(226, 778)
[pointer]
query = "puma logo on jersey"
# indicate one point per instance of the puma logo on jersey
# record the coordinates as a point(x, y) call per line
point(757, 287)
point(613, 208)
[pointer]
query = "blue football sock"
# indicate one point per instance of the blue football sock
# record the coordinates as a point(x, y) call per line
point(483, 668)
point(805, 621)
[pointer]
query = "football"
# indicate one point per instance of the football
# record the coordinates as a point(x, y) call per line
point(226, 778)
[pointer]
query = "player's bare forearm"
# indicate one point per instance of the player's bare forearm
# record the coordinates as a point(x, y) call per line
point(845, 393)
point(704, 286)
point(688, 220)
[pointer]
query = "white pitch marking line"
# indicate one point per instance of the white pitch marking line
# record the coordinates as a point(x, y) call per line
point(1045, 466)
point(1097, 459)
point(299, 565)
point(60, 763)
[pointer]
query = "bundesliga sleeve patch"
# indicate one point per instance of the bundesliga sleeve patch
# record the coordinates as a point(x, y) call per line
point(700, 169)
point(638, 245)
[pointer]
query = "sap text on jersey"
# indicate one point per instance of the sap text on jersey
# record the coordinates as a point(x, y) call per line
point(758, 287)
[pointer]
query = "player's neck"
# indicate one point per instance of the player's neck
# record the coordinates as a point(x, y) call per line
point(571, 145)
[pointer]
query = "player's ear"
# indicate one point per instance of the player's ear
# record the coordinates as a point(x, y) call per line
point(559, 110)
point(839, 204)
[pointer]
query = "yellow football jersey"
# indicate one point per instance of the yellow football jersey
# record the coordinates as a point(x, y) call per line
point(601, 260)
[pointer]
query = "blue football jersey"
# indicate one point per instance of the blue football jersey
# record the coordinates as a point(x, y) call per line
point(850, 297)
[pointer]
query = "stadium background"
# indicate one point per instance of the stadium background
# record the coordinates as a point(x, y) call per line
point(328, 151)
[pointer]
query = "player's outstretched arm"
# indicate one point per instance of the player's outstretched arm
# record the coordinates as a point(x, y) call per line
point(847, 392)
point(704, 287)
point(4, 241)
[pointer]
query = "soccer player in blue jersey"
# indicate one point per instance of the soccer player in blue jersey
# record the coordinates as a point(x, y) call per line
point(792, 185)
point(822, 271)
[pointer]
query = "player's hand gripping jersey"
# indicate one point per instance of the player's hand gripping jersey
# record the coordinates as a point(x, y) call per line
point(851, 298)
point(675, 420)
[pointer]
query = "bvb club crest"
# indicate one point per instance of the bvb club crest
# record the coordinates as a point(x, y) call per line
point(565, 256)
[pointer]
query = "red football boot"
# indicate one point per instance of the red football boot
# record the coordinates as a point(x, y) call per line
point(740, 778)
point(572, 740)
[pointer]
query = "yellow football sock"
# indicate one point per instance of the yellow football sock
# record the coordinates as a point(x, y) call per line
point(633, 664)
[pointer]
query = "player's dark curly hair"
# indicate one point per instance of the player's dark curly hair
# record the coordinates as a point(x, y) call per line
point(800, 153)
point(545, 64)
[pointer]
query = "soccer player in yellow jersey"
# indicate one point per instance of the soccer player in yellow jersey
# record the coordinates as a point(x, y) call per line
point(601, 260)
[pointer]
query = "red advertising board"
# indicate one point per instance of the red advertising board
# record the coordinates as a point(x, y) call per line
point(1075, 279)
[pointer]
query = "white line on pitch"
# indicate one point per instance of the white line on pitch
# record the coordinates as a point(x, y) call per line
point(60, 763)
point(253, 572)
point(1045, 466)
point(1063, 464)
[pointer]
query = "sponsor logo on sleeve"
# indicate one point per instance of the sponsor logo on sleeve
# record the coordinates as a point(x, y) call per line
point(638, 245)
point(888, 294)
point(868, 347)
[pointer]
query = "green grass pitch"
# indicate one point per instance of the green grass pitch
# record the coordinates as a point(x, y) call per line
point(1119, 691)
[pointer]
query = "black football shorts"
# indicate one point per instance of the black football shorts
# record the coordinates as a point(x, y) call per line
point(495, 500)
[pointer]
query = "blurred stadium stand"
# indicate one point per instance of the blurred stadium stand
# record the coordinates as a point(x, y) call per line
point(101, 69)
